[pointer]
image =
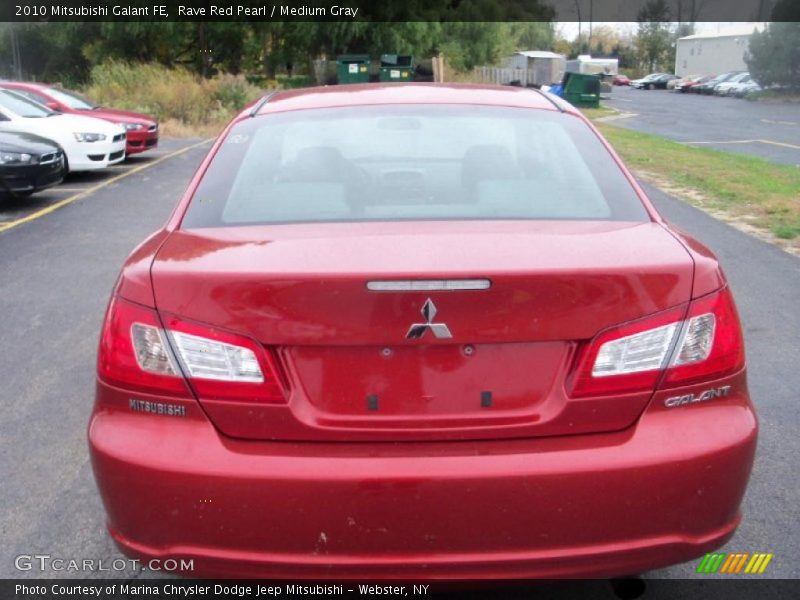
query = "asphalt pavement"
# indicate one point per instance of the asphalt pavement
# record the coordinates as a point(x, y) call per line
point(769, 130)
point(56, 273)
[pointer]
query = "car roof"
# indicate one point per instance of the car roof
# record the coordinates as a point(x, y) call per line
point(409, 93)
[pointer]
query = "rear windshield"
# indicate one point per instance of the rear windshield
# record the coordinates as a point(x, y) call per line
point(415, 162)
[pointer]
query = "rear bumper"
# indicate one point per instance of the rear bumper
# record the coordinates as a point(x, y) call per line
point(662, 492)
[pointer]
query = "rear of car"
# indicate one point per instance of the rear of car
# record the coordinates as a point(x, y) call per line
point(709, 86)
point(741, 90)
point(648, 82)
point(29, 163)
point(420, 332)
point(685, 85)
point(726, 88)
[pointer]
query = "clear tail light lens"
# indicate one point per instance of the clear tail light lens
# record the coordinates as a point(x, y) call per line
point(685, 345)
point(713, 345)
point(206, 359)
point(696, 341)
point(634, 353)
point(138, 352)
point(152, 352)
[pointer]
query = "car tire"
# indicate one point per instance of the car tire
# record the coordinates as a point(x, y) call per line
point(628, 588)
point(649, 86)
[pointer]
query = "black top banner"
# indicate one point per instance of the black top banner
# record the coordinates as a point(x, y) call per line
point(400, 10)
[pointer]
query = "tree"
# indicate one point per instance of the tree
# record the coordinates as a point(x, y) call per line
point(47, 51)
point(653, 40)
point(774, 55)
point(531, 36)
point(604, 40)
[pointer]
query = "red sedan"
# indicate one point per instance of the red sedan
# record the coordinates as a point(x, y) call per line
point(621, 80)
point(420, 332)
point(141, 130)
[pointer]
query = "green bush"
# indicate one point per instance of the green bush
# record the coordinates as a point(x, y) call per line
point(170, 94)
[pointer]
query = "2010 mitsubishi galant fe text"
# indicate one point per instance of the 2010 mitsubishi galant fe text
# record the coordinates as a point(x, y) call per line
point(420, 332)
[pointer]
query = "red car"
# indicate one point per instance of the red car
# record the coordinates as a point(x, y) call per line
point(621, 80)
point(141, 130)
point(435, 331)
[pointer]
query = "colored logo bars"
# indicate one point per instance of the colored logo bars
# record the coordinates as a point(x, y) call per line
point(735, 562)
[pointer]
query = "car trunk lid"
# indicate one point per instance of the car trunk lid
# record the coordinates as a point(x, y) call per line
point(355, 367)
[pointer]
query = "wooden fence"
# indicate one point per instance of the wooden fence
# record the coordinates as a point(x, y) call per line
point(504, 76)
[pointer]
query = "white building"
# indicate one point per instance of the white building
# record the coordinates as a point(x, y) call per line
point(593, 66)
point(709, 54)
point(540, 66)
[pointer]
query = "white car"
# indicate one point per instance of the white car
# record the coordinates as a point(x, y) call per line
point(725, 88)
point(88, 143)
point(740, 90)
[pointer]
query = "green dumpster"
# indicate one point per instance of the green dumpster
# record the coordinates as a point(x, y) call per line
point(352, 68)
point(580, 89)
point(396, 68)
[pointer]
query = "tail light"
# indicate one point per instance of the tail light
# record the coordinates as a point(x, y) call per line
point(137, 352)
point(703, 342)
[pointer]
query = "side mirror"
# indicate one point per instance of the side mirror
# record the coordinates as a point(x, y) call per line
point(53, 106)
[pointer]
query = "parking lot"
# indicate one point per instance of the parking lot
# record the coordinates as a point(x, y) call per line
point(770, 130)
point(60, 252)
point(15, 211)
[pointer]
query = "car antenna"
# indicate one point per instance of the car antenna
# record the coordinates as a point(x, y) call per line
point(549, 99)
point(266, 98)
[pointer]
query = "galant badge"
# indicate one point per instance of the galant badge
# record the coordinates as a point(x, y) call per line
point(439, 330)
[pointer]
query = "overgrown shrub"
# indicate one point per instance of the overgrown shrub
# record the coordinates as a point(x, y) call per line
point(172, 95)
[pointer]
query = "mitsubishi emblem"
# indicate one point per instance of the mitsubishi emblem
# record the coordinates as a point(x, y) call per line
point(439, 330)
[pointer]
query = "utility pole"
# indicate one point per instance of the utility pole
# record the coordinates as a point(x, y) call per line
point(16, 58)
point(591, 9)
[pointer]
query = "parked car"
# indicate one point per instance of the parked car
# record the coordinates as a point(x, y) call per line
point(28, 163)
point(273, 400)
point(741, 90)
point(88, 143)
point(620, 79)
point(707, 88)
point(724, 88)
point(142, 131)
point(653, 81)
point(684, 85)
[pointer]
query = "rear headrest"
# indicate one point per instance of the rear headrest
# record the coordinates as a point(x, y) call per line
point(321, 163)
point(488, 161)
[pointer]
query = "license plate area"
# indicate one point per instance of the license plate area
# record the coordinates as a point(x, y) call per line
point(427, 381)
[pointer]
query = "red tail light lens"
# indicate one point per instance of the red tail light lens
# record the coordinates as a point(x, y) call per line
point(703, 342)
point(134, 354)
point(725, 354)
point(137, 352)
